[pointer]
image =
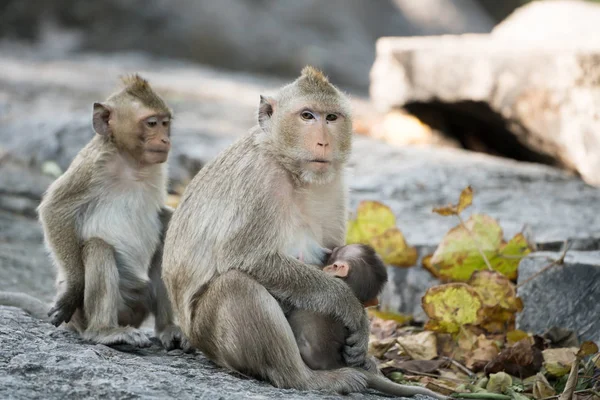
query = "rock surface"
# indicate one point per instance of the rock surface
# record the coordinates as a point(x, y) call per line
point(532, 98)
point(564, 296)
point(39, 361)
point(262, 36)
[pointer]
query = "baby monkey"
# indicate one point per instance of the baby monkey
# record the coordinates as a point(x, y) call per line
point(321, 338)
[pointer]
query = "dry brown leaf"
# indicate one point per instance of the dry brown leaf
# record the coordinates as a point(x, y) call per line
point(523, 359)
point(421, 366)
point(542, 388)
point(587, 349)
point(444, 387)
point(378, 347)
point(420, 346)
point(558, 361)
point(464, 201)
point(485, 350)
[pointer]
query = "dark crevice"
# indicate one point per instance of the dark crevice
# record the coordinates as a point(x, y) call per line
point(478, 128)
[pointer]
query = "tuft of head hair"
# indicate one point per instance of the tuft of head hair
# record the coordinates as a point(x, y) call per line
point(139, 88)
point(314, 80)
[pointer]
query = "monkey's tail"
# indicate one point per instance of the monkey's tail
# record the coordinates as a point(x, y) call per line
point(28, 303)
point(388, 387)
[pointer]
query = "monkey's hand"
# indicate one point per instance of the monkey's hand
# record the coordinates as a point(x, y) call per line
point(64, 307)
point(357, 343)
point(171, 338)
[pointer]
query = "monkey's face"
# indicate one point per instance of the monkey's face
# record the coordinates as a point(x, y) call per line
point(156, 138)
point(317, 138)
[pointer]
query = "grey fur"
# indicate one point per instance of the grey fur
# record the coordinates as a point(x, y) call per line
point(228, 255)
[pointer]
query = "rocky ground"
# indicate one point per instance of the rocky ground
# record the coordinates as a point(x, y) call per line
point(45, 111)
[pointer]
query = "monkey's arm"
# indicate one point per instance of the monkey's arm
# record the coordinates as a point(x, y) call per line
point(167, 332)
point(60, 232)
point(308, 288)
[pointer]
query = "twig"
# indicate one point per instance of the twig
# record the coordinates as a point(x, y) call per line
point(462, 222)
point(481, 396)
point(556, 396)
point(570, 387)
point(460, 366)
point(408, 371)
point(560, 260)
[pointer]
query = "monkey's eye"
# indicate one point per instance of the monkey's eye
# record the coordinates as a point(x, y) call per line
point(166, 122)
point(151, 122)
point(331, 117)
point(307, 115)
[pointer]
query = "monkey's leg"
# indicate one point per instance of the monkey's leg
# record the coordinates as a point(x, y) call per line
point(102, 298)
point(238, 324)
point(166, 331)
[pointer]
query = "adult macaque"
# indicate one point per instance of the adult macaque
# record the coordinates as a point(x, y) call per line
point(321, 338)
point(231, 253)
point(104, 221)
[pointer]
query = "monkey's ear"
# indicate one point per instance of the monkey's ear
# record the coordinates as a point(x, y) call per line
point(265, 111)
point(101, 116)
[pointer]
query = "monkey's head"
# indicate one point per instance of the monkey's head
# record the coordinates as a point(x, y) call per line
point(137, 120)
point(362, 269)
point(307, 126)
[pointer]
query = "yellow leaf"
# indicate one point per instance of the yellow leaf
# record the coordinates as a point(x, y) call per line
point(401, 319)
point(558, 361)
point(513, 337)
point(499, 382)
point(457, 256)
point(372, 219)
point(353, 234)
point(393, 249)
point(375, 225)
point(495, 289)
point(464, 201)
point(509, 256)
point(451, 306)
point(587, 349)
point(420, 346)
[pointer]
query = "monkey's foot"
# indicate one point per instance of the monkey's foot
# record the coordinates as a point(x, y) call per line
point(171, 338)
point(343, 380)
point(119, 335)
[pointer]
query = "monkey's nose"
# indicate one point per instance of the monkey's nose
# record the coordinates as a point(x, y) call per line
point(322, 144)
point(165, 140)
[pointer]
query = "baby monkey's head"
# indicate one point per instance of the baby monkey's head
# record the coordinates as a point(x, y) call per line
point(361, 268)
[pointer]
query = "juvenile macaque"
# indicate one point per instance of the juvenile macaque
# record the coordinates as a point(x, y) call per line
point(104, 221)
point(321, 338)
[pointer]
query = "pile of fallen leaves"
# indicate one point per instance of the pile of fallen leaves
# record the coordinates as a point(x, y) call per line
point(469, 347)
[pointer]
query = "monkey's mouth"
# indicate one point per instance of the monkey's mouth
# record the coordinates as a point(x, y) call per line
point(320, 161)
point(157, 151)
